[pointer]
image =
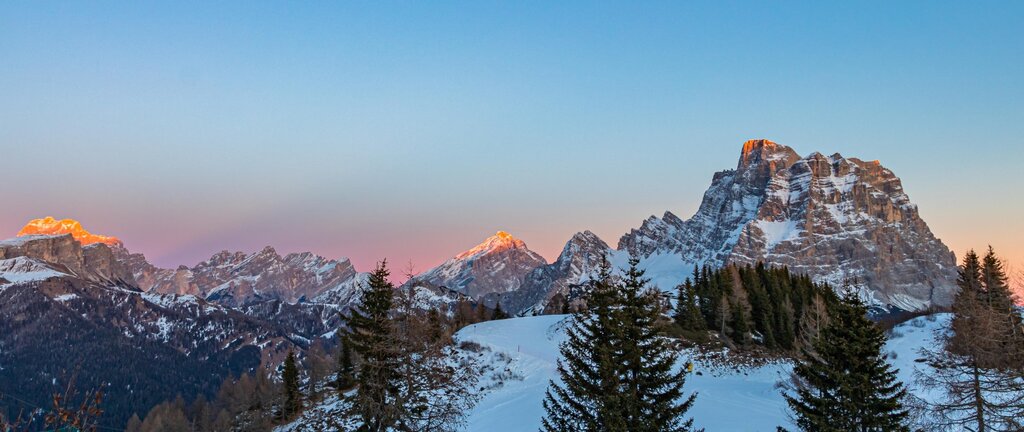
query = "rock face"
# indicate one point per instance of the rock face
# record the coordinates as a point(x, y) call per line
point(498, 265)
point(51, 226)
point(237, 278)
point(579, 261)
point(94, 262)
point(166, 344)
point(838, 219)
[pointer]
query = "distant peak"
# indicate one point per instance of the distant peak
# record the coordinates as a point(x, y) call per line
point(763, 150)
point(751, 145)
point(51, 226)
point(501, 240)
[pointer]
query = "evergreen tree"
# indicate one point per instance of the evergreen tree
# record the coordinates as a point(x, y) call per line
point(499, 314)
point(688, 314)
point(345, 377)
point(651, 389)
point(617, 368)
point(846, 384)
point(372, 337)
point(587, 399)
point(292, 395)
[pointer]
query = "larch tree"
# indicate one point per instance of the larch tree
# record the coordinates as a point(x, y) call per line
point(978, 365)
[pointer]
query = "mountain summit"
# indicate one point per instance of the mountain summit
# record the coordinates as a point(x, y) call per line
point(51, 226)
point(841, 220)
point(496, 265)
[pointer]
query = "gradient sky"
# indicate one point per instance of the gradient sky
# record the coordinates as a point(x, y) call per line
point(414, 130)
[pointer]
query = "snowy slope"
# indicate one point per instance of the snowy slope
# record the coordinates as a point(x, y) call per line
point(728, 399)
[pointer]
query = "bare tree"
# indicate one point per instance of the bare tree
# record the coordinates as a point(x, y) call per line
point(979, 367)
point(435, 385)
point(63, 414)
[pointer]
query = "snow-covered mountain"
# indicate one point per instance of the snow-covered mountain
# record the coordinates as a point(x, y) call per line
point(578, 262)
point(835, 218)
point(498, 265)
point(237, 278)
point(62, 317)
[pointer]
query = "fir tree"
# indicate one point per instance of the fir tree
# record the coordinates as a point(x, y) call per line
point(846, 384)
point(688, 314)
point(617, 368)
point(292, 395)
point(372, 337)
point(345, 377)
point(499, 314)
point(587, 399)
point(652, 392)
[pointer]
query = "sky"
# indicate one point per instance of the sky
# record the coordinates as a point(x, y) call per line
point(413, 130)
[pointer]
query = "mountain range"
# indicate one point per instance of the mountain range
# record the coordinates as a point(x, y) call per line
point(67, 294)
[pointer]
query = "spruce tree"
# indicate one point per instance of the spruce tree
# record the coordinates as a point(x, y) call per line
point(292, 395)
point(652, 389)
point(372, 337)
point(846, 385)
point(587, 398)
point(499, 314)
point(618, 370)
point(688, 314)
point(345, 377)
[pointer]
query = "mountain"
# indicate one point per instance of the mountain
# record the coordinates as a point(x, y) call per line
point(579, 260)
point(64, 317)
point(227, 278)
point(837, 219)
point(51, 226)
point(95, 262)
point(237, 278)
point(498, 265)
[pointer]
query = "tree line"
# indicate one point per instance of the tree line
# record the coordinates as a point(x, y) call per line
point(754, 305)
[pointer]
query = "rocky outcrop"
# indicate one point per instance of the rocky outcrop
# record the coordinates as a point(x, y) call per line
point(94, 262)
point(237, 278)
point(578, 262)
point(496, 266)
point(51, 226)
point(841, 220)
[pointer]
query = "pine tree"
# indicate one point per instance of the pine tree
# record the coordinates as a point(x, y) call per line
point(498, 313)
point(846, 384)
point(587, 399)
point(292, 395)
point(688, 314)
point(345, 377)
point(372, 337)
point(617, 368)
point(651, 389)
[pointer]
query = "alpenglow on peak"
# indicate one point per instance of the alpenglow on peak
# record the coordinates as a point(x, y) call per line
point(51, 226)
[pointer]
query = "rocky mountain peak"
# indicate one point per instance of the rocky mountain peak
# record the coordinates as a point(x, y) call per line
point(497, 265)
point(51, 226)
point(95, 261)
point(835, 218)
point(498, 242)
point(759, 151)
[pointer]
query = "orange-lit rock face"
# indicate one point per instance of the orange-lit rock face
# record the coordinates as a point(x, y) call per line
point(51, 226)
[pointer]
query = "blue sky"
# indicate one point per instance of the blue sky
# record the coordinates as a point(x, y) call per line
point(412, 130)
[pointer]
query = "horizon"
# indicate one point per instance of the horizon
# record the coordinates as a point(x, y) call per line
point(399, 267)
point(412, 134)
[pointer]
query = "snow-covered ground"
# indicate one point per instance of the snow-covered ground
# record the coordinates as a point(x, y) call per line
point(728, 399)
point(518, 356)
